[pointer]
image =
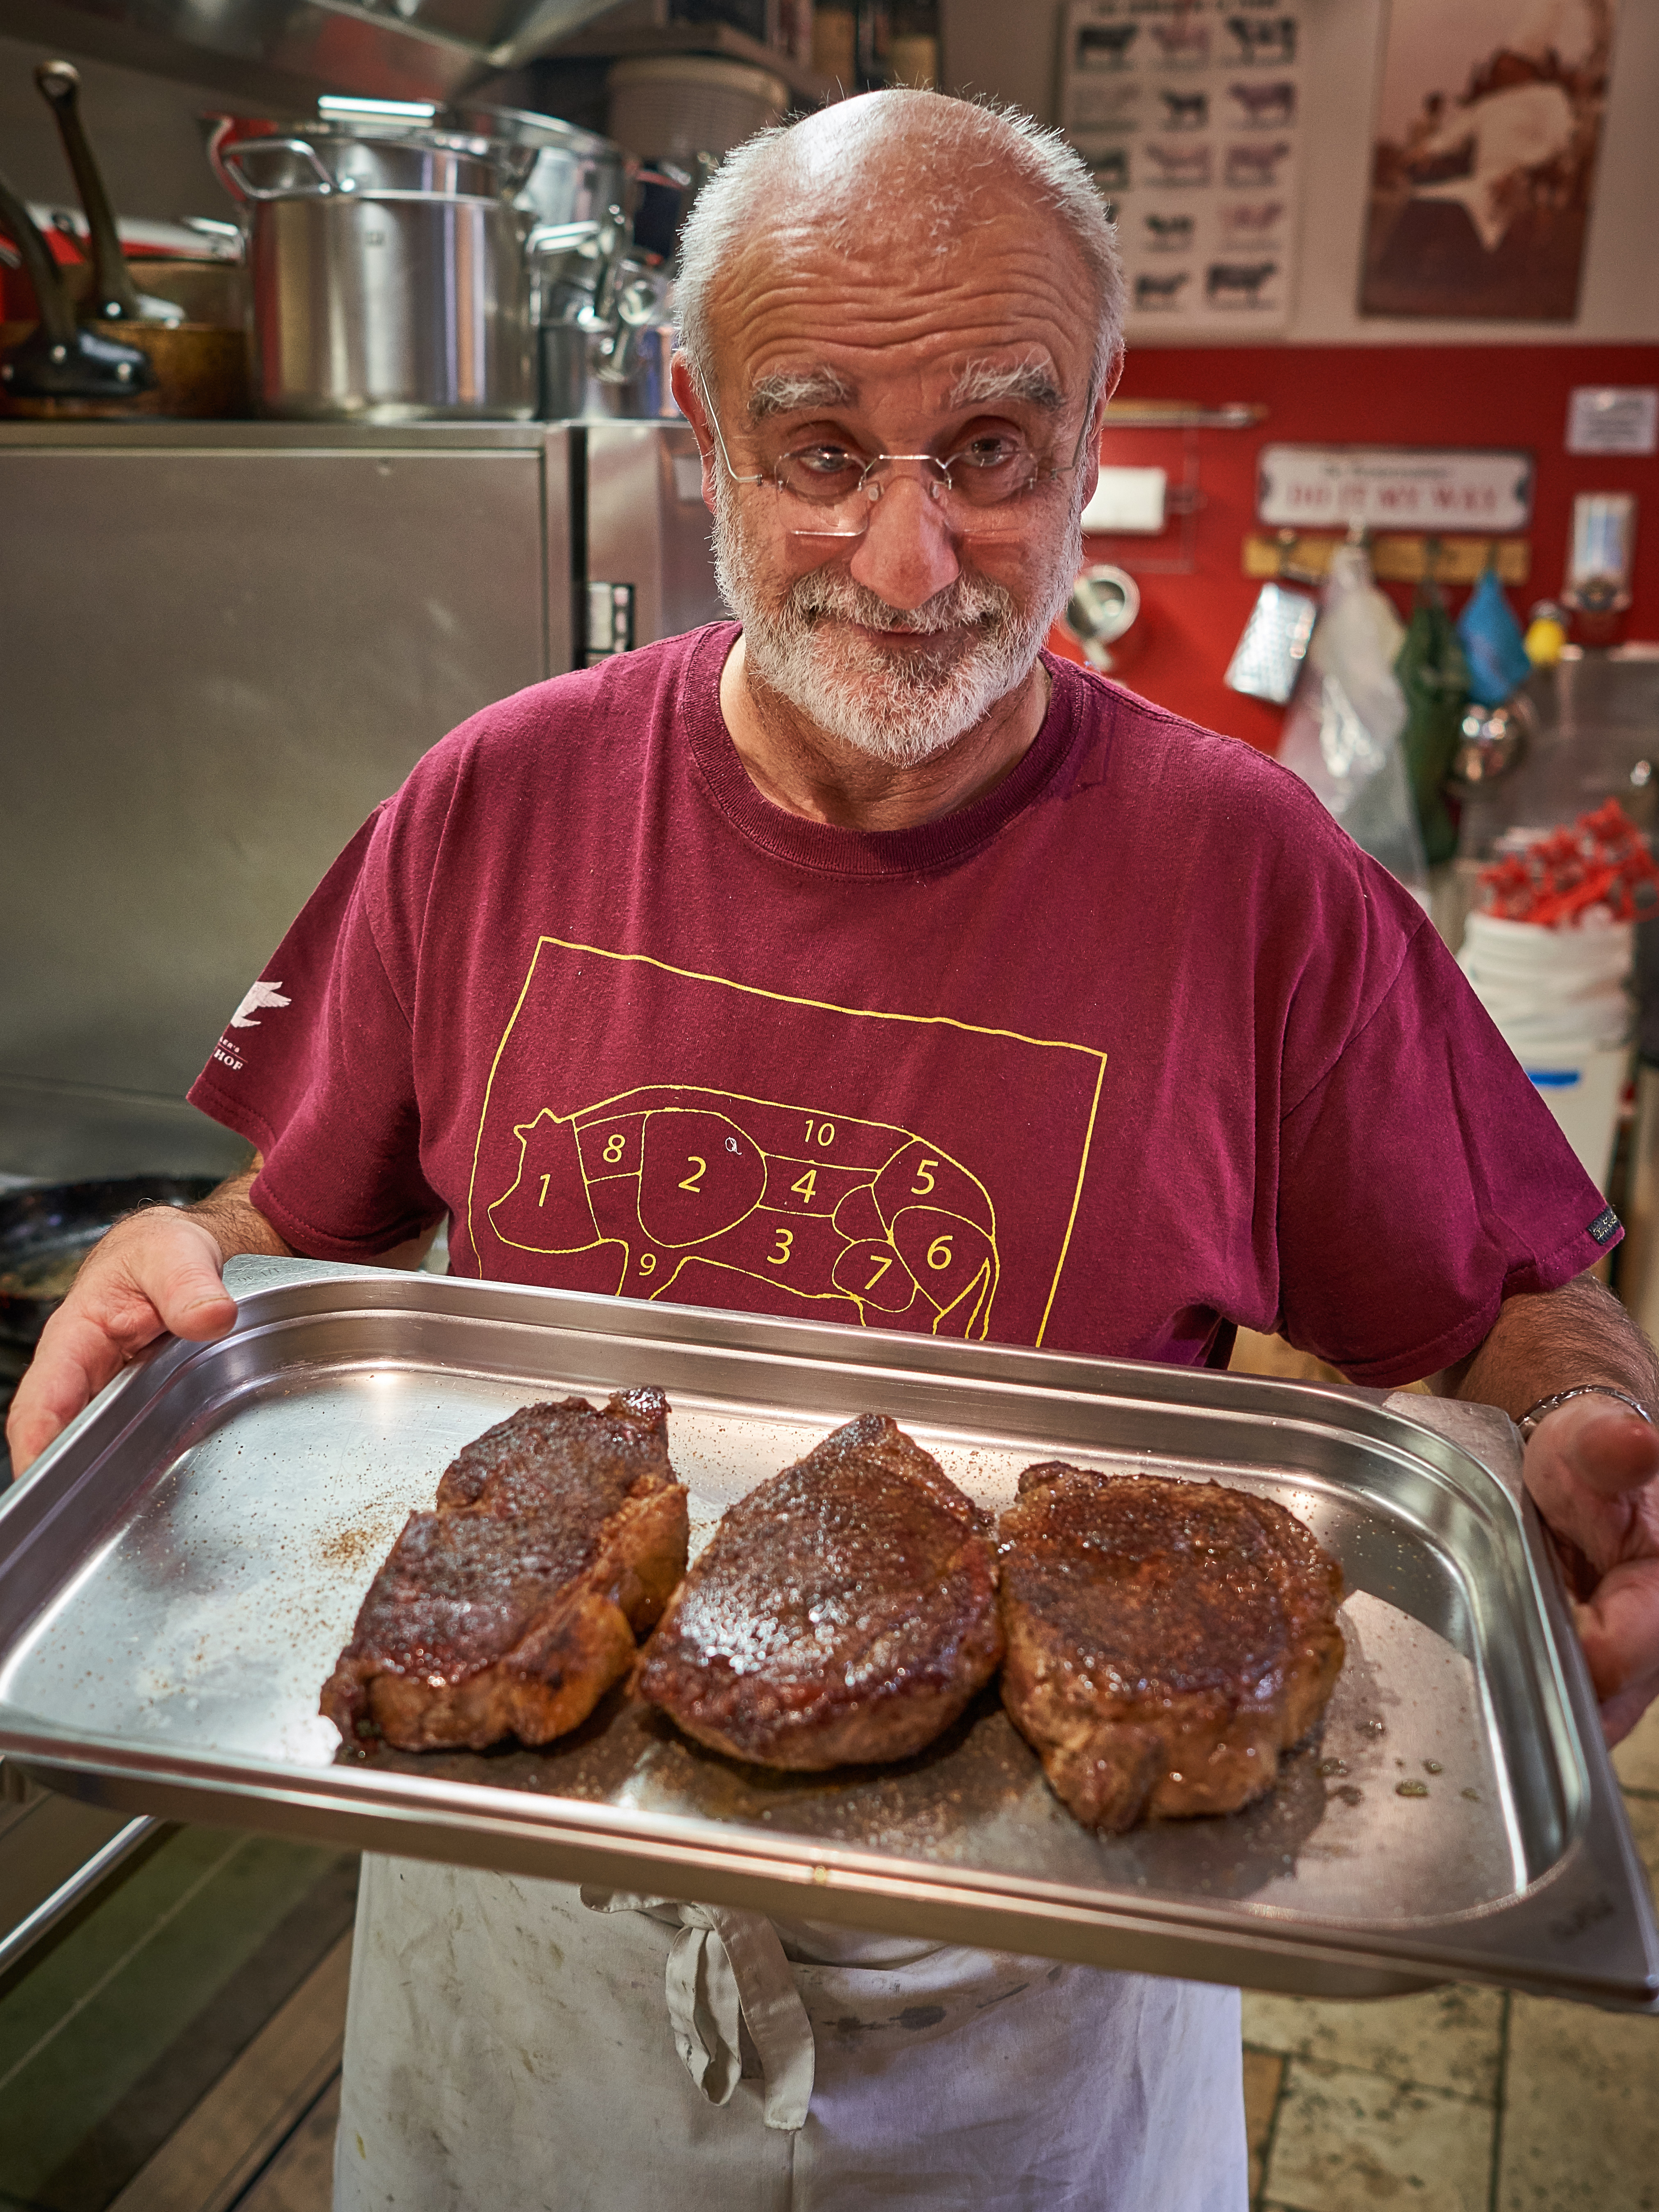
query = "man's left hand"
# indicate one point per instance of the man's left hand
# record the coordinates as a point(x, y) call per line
point(1593, 1469)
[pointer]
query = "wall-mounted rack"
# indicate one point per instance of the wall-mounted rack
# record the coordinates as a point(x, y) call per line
point(1396, 557)
point(1182, 414)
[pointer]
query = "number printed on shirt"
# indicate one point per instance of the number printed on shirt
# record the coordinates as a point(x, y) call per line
point(821, 1133)
point(699, 1170)
point(884, 1261)
point(786, 1245)
point(806, 1186)
point(647, 1263)
point(939, 1253)
point(615, 1145)
point(925, 1178)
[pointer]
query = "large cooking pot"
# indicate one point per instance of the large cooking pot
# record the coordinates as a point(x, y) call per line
point(387, 268)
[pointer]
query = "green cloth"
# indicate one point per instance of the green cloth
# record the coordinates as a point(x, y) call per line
point(1434, 676)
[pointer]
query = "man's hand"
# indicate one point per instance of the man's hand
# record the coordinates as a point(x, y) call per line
point(1593, 1470)
point(159, 1270)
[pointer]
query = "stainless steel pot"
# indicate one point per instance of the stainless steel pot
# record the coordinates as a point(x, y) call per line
point(379, 309)
point(575, 176)
point(389, 276)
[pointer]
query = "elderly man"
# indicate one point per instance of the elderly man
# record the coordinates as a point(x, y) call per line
point(1155, 1047)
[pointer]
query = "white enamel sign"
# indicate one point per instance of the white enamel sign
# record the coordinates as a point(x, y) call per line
point(1393, 488)
point(1612, 419)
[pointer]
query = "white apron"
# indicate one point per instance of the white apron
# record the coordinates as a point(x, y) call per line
point(511, 2049)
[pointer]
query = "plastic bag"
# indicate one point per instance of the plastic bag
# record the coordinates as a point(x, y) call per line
point(1342, 733)
point(1435, 678)
point(1498, 662)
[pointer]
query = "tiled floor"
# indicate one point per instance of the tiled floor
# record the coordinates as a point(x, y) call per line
point(1464, 2100)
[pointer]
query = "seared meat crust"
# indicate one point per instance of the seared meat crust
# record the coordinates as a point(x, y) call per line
point(558, 1539)
point(843, 1610)
point(1166, 1640)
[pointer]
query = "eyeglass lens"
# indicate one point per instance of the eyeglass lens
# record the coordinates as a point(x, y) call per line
point(830, 492)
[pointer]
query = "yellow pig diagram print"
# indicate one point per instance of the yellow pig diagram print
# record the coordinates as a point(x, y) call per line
point(675, 1182)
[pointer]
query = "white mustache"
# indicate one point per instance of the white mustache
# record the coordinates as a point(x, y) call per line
point(970, 601)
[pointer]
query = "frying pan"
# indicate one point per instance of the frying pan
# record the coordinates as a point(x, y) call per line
point(46, 1231)
point(113, 297)
point(57, 360)
point(184, 368)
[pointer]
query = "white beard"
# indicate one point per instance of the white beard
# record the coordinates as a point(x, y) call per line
point(897, 706)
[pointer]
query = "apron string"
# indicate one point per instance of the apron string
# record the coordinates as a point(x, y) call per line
point(722, 1962)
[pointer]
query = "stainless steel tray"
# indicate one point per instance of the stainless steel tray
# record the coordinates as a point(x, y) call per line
point(179, 1573)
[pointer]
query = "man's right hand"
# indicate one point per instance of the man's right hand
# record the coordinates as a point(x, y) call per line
point(157, 1271)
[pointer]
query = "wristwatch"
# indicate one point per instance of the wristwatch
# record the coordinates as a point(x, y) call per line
point(1529, 1420)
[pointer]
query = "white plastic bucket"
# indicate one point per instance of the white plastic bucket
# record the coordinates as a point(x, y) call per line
point(1584, 1092)
point(1552, 992)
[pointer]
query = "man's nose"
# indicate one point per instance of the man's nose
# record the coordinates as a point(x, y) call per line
point(906, 554)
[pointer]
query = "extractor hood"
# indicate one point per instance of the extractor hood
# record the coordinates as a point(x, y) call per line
point(293, 49)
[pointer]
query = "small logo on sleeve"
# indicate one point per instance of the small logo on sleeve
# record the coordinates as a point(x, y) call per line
point(262, 994)
point(1605, 1225)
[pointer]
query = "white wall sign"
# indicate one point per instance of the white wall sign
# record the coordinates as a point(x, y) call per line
point(1392, 488)
point(1612, 418)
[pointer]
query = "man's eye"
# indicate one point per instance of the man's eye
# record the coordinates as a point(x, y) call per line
point(991, 453)
point(826, 461)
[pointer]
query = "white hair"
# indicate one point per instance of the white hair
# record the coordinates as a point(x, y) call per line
point(968, 137)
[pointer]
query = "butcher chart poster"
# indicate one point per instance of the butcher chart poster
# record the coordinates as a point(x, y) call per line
point(1189, 114)
point(1489, 123)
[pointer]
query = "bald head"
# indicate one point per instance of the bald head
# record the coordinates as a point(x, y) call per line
point(915, 169)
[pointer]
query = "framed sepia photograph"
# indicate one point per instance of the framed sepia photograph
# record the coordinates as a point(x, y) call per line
point(1483, 166)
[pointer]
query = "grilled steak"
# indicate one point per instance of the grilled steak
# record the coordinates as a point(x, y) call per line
point(558, 1538)
point(846, 1610)
point(1166, 1640)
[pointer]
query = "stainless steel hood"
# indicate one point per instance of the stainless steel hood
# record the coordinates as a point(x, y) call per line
point(292, 49)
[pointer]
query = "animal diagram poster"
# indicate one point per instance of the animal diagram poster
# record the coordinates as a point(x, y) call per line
point(1189, 113)
point(1484, 167)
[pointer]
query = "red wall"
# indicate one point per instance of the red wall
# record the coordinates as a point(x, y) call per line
point(1505, 396)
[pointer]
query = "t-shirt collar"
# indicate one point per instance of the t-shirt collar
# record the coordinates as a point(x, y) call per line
point(868, 852)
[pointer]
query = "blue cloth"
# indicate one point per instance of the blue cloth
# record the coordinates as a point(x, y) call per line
point(1492, 643)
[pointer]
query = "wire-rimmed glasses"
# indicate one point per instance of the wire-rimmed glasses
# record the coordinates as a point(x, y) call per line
point(828, 489)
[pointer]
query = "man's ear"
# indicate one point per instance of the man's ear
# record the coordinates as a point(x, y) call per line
point(1091, 456)
point(688, 397)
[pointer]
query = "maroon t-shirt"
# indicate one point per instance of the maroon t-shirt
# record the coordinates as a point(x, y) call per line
point(1137, 1042)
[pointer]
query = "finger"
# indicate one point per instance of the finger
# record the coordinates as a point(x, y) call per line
point(137, 1284)
point(181, 1279)
point(1619, 1714)
point(1603, 1444)
point(76, 1356)
point(1592, 1473)
point(1619, 1628)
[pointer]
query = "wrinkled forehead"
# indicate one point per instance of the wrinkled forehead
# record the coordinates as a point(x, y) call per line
point(809, 312)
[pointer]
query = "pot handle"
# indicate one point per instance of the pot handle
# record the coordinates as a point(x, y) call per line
point(232, 158)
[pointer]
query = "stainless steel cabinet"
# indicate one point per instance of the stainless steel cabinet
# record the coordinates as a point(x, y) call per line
point(221, 645)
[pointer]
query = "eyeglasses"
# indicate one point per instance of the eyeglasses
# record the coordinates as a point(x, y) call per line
point(825, 490)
